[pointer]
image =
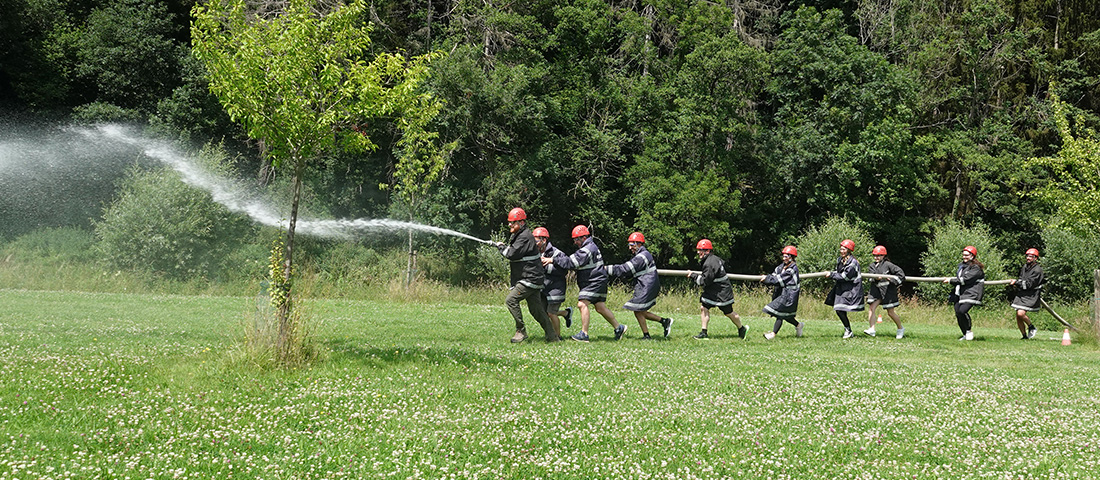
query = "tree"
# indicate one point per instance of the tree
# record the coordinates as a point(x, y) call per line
point(299, 81)
point(1075, 191)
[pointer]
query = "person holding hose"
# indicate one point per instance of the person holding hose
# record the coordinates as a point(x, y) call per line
point(553, 293)
point(717, 291)
point(884, 292)
point(784, 304)
point(592, 278)
point(969, 282)
point(847, 293)
point(647, 285)
point(1027, 293)
point(526, 277)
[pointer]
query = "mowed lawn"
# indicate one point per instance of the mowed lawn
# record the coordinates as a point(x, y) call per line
point(145, 386)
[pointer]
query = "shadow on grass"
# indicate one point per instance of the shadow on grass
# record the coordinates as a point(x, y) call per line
point(398, 355)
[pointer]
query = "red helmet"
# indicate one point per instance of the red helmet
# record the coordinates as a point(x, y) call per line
point(849, 244)
point(790, 250)
point(878, 250)
point(541, 232)
point(704, 244)
point(1032, 251)
point(636, 237)
point(580, 231)
point(970, 248)
point(517, 214)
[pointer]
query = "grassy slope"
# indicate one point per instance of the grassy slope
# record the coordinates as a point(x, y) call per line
point(148, 386)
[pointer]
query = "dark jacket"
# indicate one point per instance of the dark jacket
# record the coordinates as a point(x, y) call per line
point(969, 282)
point(555, 277)
point(591, 276)
point(647, 285)
point(883, 289)
point(1028, 287)
point(847, 293)
point(717, 291)
point(784, 302)
point(523, 253)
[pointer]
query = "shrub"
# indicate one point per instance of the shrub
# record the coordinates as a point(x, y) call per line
point(64, 244)
point(943, 256)
point(818, 248)
point(1068, 260)
point(160, 225)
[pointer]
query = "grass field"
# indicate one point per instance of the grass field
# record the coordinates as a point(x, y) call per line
point(107, 385)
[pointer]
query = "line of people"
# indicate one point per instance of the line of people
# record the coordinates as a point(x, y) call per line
point(538, 277)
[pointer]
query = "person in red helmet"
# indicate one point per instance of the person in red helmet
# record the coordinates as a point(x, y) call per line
point(647, 285)
point(592, 278)
point(847, 293)
point(1027, 297)
point(969, 282)
point(884, 292)
point(784, 304)
point(527, 277)
point(553, 294)
point(717, 291)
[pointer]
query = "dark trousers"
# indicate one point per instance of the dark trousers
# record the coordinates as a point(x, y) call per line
point(533, 297)
point(962, 314)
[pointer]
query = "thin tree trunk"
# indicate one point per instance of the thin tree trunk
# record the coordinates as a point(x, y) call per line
point(288, 262)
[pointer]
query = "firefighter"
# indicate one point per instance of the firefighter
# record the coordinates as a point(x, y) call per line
point(884, 292)
point(1027, 293)
point(847, 293)
point(784, 304)
point(553, 294)
point(526, 277)
point(646, 284)
point(969, 282)
point(587, 262)
point(717, 291)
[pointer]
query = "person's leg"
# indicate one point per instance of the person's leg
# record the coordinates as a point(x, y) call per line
point(704, 317)
point(512, 302)
point(602, 309)
point(586, 316)
point(871, 314)
point(736, 318)
point(1022, 322)
point(844, 320)
point(641, 317)
point(894, 316)
point(533, 298)
point(962, 316)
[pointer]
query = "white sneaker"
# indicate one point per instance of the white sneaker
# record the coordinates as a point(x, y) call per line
point(969, 335)
point(901, 333)
point(848, 334)
point(870, 331)
point(798, 329)
point(769, 335)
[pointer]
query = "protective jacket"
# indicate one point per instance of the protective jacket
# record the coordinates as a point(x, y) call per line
point(784, 302)
point(555, 277)
point(717, 291)
point(591, 276)
point(523, 253)
point(646, 283)
point(847, 293)
point(1027, 288)
point(969, 282)
point(883, 289)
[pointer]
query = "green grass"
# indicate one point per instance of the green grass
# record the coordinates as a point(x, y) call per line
point(115, 385)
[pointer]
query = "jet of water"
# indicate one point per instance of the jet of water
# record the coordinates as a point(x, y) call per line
point(238, 199)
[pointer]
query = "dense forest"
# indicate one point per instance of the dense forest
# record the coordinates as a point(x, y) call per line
point(743, 121)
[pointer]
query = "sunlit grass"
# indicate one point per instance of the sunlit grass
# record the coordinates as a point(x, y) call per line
point(149, 386)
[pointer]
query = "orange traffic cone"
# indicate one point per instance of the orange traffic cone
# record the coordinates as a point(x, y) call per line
point(1065, 337)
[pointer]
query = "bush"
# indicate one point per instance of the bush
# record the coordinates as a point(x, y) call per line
point(60, 245)
point(160, 225)
point(943, 256)
point(818, 248)
point(1068, 260)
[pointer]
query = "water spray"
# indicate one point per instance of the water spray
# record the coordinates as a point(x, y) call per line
point(237, 199)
